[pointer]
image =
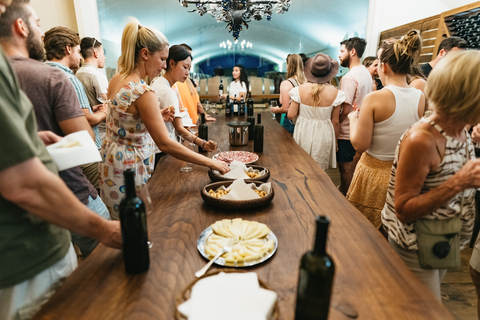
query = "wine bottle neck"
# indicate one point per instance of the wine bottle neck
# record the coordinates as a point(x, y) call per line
point(321, 236)
point(202, 118)
point(129, 183)
point(259, 118)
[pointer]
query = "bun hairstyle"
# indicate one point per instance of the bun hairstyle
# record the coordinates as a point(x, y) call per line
point(135, 37)
point(401, 54)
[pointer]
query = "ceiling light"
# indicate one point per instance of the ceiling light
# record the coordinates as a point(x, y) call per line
point(236, 13)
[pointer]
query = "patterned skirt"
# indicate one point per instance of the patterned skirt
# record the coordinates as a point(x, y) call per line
point(369, 186)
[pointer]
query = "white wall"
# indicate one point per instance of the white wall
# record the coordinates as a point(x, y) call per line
point(388, 14)
point(53, 13)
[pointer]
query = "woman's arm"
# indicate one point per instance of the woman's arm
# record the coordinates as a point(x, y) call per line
point(293, 110)
point(147, 106)
point(412, 171)
point(361, 124)
point(285, 88)
point(336, 121)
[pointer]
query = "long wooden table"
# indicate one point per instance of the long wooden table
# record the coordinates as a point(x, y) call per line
point(371, 282)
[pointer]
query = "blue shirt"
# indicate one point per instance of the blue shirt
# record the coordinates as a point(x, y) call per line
point(82, 96)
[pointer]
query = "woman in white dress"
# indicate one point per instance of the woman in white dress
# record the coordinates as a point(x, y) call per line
point(315, 103)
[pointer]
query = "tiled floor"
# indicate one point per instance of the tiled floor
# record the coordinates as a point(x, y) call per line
point(458, 292)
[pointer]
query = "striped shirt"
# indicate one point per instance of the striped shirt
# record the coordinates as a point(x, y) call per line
point(82, 96)
point(454, 159)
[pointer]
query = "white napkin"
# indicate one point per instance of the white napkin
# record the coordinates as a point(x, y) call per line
point(232, 296)
point(237, 171)
point(239, 190)
point(82, 150)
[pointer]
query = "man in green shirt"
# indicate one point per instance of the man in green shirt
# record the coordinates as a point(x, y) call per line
point(35, 207)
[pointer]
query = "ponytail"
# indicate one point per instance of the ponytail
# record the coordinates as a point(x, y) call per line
point(135, 37)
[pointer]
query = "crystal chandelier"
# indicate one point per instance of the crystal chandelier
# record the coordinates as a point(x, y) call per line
point(236, 13)
point(242, 46)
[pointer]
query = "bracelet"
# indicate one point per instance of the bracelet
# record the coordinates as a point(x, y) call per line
point(194, 139)
point(203, 145)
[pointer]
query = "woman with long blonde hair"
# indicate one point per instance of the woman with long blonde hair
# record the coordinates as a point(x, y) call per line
point(134, 117)
point(316, 105)
point(295, 77)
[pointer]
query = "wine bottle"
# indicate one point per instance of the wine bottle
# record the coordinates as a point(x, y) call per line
point(220, 88)
point(258, 139)
point(242, 107)
point(133, 223)
point(250, 102)
point(315, 278)
point(202, 131)
point(235, 106)
point(228, 109)
point(251, 126)
point(250, 117)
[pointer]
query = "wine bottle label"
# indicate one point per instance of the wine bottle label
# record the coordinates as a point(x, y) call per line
point(220, 92)
point(235, 108)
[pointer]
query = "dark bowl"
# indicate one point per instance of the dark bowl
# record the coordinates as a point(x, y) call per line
point(234, 204)
point(264, 178)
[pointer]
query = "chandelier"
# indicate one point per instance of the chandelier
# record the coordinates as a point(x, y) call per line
point(237, 13)
point(228, 45)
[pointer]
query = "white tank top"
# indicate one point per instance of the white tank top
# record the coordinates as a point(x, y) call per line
point(387, 133)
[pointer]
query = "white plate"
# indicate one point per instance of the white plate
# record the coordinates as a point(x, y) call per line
point(202, 241)
point(235, 155)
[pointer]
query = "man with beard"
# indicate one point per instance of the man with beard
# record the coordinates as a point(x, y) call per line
point(35, 249)
point(54, 99)
point(356, 84)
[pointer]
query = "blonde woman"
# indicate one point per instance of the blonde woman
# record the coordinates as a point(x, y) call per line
point(295, 77)
point(134, 116)
point(316, 105)
point(435, 173)
point(383, 118)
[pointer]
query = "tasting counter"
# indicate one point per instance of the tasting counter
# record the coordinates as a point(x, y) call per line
point(371, 282)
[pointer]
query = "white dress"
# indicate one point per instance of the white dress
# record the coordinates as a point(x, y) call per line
point(314, 130)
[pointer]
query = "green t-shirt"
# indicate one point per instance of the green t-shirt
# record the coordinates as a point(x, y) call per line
point(28, 244)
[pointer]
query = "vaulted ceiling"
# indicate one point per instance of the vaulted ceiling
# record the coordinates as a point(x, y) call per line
point(309, 26)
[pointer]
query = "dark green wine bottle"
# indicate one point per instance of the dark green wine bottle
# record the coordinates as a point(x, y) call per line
point(251, 126)
point(133, 222)
point(241, 109)
point(258, 139)
point(315, 278)
point(228, 109)
point(202, 131)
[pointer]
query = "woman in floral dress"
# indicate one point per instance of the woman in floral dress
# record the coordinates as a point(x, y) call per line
point(134, 119)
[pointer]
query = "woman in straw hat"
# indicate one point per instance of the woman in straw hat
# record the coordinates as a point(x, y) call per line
point(383, 118)
point(315, 105)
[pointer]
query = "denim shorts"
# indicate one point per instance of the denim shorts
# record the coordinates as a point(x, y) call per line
point(345, 152)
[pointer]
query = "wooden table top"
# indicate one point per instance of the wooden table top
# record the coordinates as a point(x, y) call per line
point(371, 282)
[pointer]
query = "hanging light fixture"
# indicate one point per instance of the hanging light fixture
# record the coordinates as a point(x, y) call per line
point(236, 13)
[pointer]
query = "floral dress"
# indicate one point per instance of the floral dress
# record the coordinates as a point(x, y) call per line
point(128, 145)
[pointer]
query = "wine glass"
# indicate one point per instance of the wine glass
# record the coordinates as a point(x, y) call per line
point(188, 167)
point(206, 106)
point(213, 108)
point(273, 104)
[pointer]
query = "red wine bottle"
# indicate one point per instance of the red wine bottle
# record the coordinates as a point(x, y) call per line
point(242, 107)
point(235, 106)
point(258, 139)
point(220, 88)
point(133, 222)
point(228, 109)
point(251, 126)
point(315, 279)
point(202, 131)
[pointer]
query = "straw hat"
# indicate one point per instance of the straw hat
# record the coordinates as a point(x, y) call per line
point(321, 68)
